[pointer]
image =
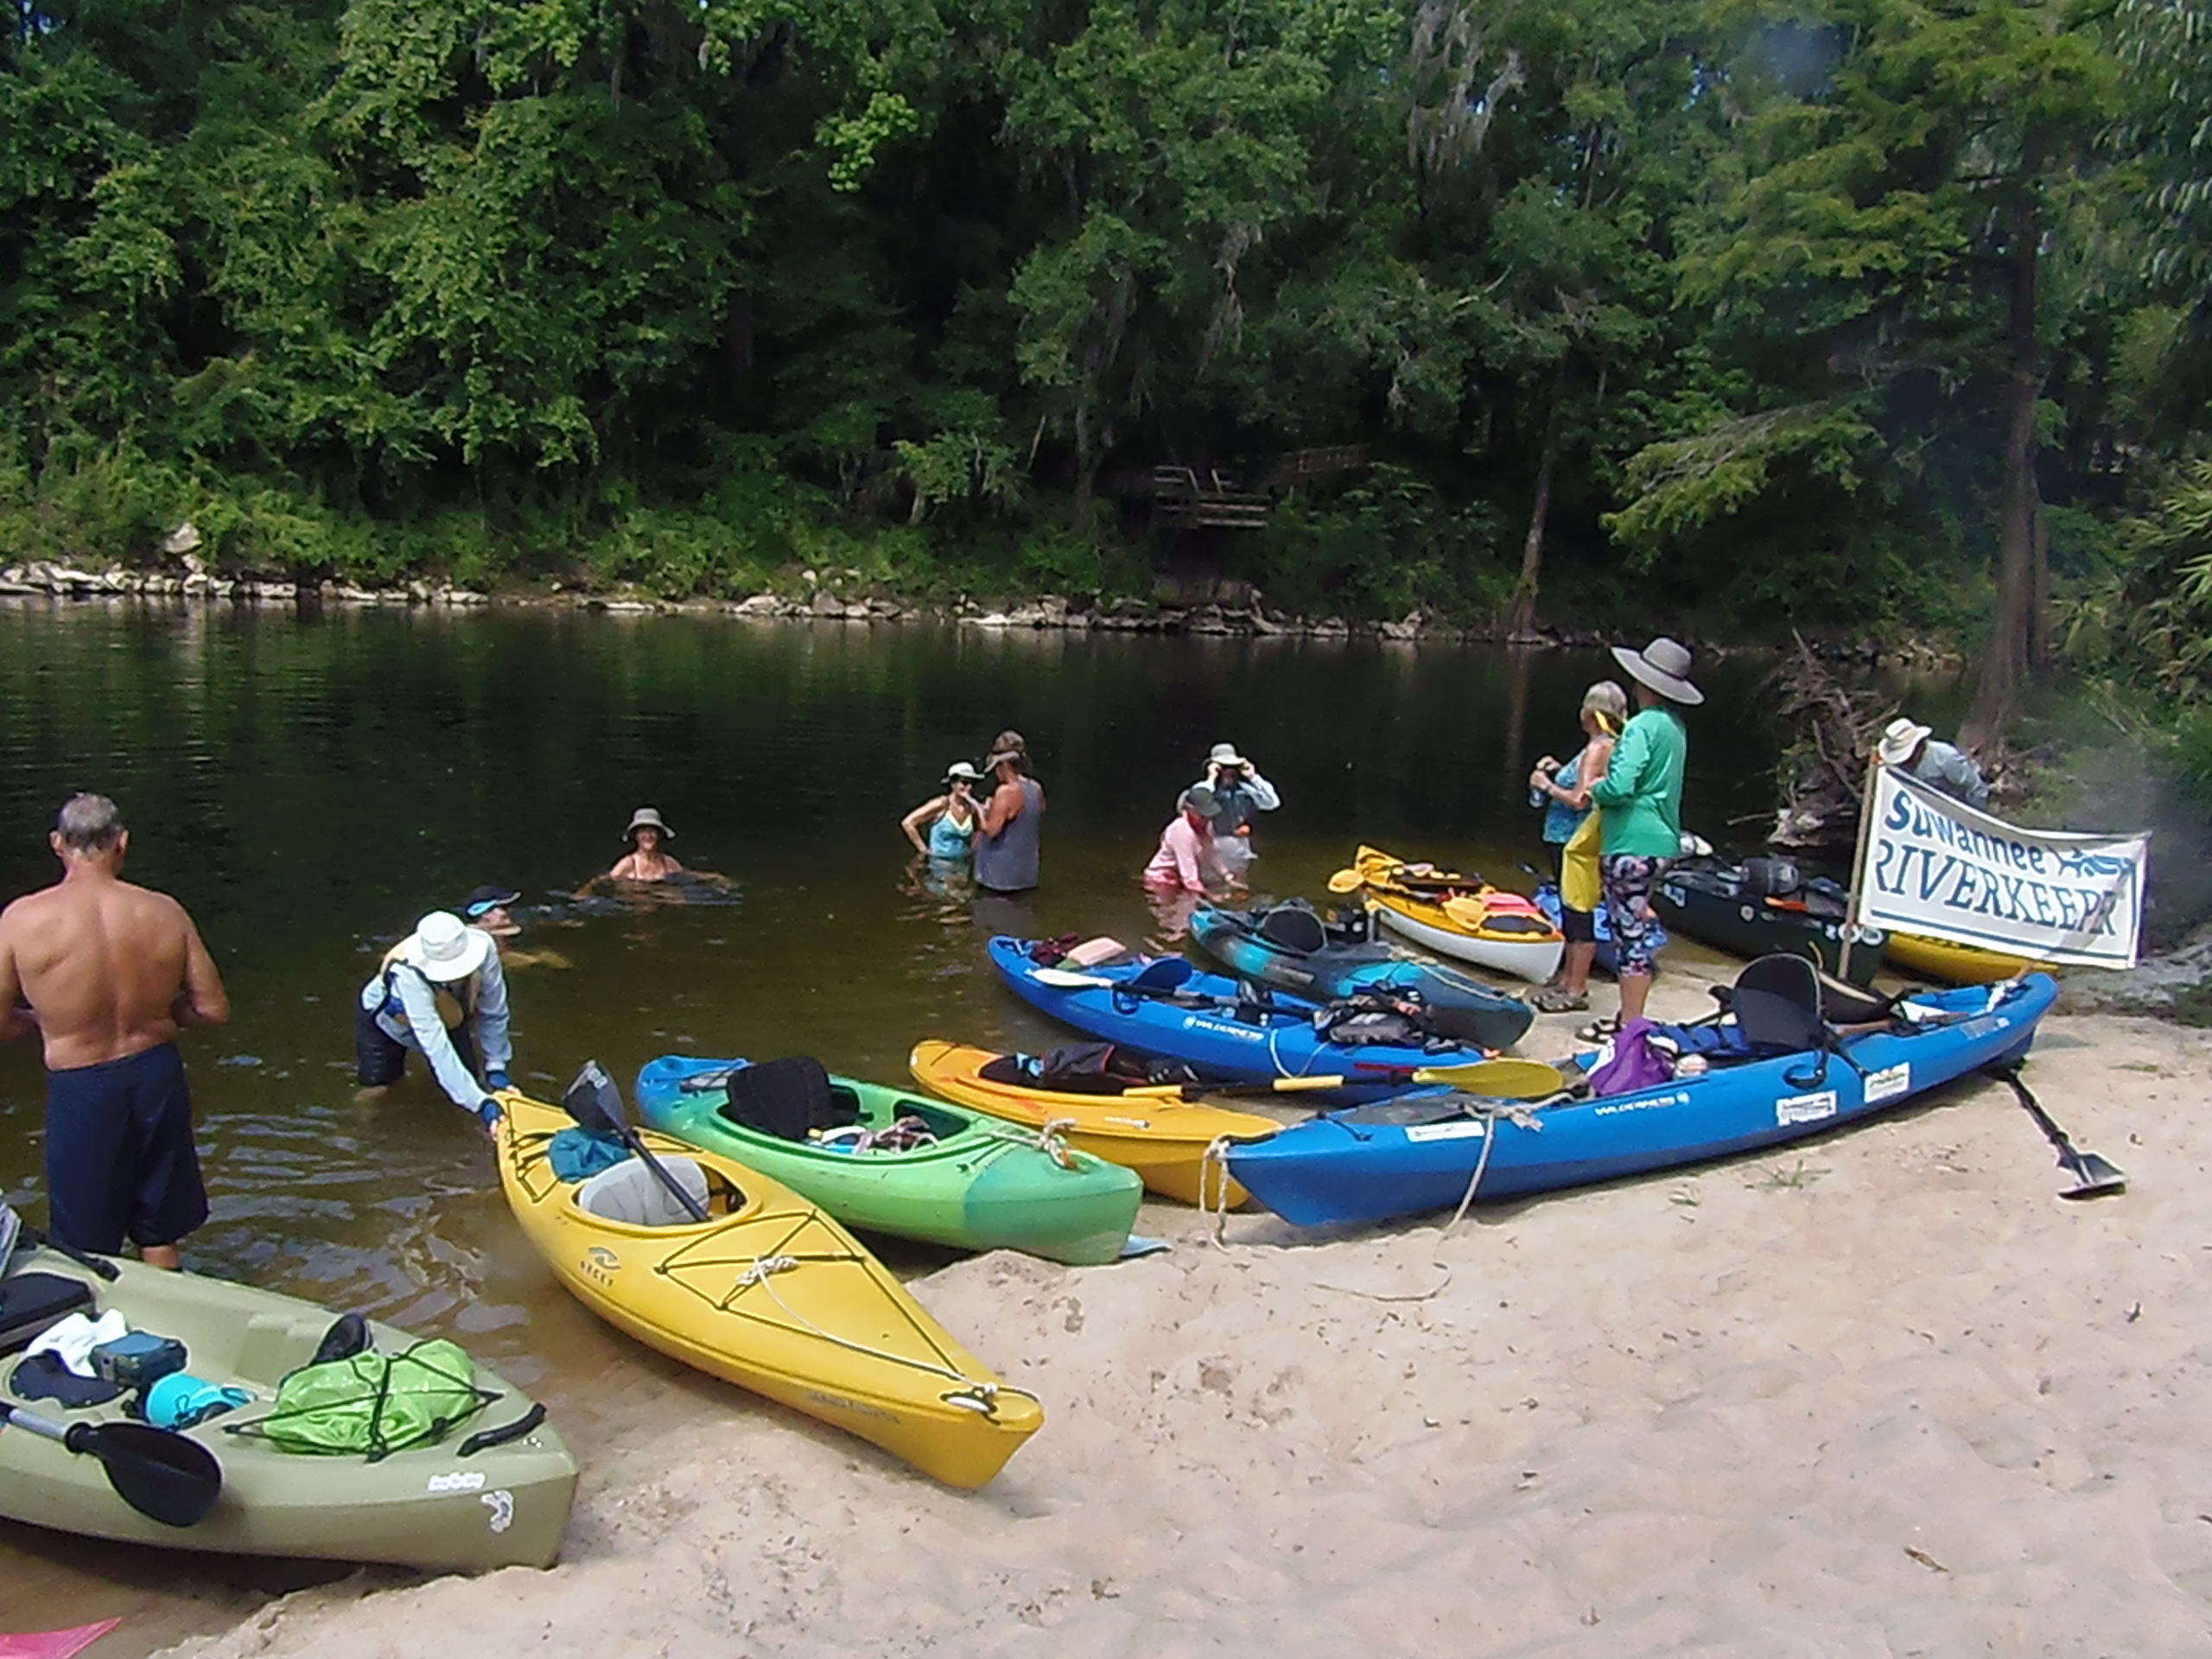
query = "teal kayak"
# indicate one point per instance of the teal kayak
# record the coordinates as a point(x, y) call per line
point(886, 1161)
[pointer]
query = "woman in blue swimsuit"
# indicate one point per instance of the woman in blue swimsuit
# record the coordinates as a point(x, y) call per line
point(950, 817)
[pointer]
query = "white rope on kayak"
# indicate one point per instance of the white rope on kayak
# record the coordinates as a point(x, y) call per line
point(1482, 1162)
point(972, 1395)
point(1521, 1116)
point(762, 1266)
point(1052, 1141)
point(1215, 1155)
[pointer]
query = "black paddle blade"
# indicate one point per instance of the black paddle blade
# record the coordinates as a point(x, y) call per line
point(595, 1100)
point(164, 1477)
point(2094, 1177)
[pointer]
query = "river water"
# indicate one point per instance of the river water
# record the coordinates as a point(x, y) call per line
point(308, 785)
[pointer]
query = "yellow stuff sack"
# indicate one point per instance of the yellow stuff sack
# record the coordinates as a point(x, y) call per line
point(1580, 886)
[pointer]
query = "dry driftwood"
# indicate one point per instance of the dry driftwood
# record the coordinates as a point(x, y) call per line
point(1823, 766)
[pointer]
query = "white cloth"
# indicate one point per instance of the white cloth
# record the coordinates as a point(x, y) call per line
point(74, 1338)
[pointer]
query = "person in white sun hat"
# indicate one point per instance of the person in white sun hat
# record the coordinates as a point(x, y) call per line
point(1908, 746)
point(1241, 795)
point(1639, 802)
point(439, 992)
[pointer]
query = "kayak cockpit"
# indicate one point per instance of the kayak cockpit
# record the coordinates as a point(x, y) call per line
point(630, 1194)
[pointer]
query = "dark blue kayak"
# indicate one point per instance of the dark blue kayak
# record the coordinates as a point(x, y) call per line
point(1167, 1008)
point(1291, 948)
point(1403, 1157)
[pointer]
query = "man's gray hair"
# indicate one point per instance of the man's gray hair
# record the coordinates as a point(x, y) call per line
point(89, 824)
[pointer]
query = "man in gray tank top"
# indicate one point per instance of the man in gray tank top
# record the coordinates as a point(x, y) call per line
point(1007, 835)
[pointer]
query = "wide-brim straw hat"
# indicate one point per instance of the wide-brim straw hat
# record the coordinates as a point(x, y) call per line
point(1665, 665)
point(961, 769)
point(445, 948)
point(1900, 739)
point(646, 818)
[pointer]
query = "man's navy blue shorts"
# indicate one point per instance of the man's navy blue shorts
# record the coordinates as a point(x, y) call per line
point(120, 1161)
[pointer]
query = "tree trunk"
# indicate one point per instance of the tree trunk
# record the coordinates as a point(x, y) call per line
point(2005, 665)
point(2041, 646)
point(1521, 620)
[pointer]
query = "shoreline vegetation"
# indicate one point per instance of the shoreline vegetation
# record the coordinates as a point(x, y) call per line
point(1226, 609)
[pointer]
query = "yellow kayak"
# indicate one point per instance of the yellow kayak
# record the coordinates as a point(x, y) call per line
point(1960, 964)
point(768, 1293)
point(1455, 915)
point(1164, 1141)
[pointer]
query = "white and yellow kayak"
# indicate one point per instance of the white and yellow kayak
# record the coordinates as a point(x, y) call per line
point(1455, 915)
point(768, 1293)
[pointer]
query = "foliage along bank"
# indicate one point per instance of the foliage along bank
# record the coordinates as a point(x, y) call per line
point(1745, 312)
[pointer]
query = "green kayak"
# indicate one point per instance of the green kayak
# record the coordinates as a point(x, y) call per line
point(492, 1489)
point(889, 1161)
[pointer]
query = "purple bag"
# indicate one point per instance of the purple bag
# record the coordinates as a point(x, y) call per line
point(1636, 1062)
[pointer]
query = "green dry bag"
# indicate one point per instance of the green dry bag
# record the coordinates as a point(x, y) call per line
point(374, 1404)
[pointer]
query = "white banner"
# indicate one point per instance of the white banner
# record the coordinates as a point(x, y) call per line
point(1934, 866)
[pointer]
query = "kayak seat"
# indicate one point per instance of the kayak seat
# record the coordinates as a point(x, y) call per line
point(788, 1098)
point(1294, 928)
point(31, 1301)
point(632, 1195)
point(1777, 1002)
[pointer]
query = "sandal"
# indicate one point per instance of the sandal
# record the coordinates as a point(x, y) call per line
point(1556, 1000)
point(1601, 1030)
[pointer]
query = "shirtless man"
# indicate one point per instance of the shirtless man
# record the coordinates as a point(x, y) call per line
point(105, 973)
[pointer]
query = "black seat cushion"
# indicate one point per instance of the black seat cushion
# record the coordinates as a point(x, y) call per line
point(788, 1098)
point(1777, 1002)
point(1293, 927)
point(31, 1301)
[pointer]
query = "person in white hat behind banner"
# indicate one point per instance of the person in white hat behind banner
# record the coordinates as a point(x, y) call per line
point(439, 992)
point(1908, 746)
point(1639, 802)
point(1242, 795)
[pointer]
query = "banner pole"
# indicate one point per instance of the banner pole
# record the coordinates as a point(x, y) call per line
point(1858, 866)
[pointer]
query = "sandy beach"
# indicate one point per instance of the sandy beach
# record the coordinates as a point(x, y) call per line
point(1884, 1395)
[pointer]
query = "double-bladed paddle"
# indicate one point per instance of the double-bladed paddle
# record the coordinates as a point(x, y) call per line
point(163, 1476)
point(1505, 1079)
point(1493, 1080)
point(595, 1102)
point(2094, 1177)
point(1230, 1090)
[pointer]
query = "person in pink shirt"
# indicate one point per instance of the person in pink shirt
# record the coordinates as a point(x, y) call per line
point(1187, 861)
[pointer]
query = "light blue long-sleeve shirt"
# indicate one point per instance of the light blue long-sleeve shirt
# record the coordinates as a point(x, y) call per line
point(417, 1026)
point(1258, 794)
point(1952, 770)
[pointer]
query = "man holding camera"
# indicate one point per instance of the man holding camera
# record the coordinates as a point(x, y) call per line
point(1241, 795)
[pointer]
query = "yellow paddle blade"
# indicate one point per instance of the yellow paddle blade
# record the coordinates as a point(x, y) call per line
point(1466, 910)
point(1346, 881)
point(1499, 1079)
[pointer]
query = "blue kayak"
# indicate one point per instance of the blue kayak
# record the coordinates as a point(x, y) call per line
point(1167, 1008)
point(1291, 948)
point(1402, 1157)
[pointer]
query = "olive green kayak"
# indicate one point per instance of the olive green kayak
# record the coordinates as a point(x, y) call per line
point(447, 1506)
point(886, 1160)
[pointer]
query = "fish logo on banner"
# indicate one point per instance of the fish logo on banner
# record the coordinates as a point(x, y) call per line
point(1935, 867)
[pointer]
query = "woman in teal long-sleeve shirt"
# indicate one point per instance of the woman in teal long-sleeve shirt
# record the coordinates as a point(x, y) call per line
point(1639, 804)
